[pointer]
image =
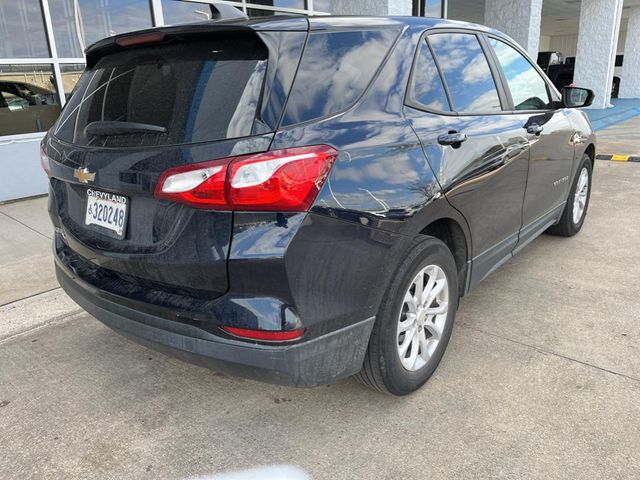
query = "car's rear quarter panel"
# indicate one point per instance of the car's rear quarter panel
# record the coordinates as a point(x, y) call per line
point(344, 253)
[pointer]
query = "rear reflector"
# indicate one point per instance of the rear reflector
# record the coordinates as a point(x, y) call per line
point(265, 335)
point(281, 180)
point(132, 40)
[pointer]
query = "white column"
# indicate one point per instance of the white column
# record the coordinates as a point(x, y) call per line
point(157, 13)
point(520, 19)
point(597, 44)
point(630, 79)
point(359, 7)
point(400, 7)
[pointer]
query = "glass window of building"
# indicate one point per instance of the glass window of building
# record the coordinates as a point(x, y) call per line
point(321, 5)
point(79, 23)
point(176, 12)
point(299, 4)
point(259, 12)
point(428, 8)
point(433, 8)
point(71, 73)
point(22, 33)
point(28, 99)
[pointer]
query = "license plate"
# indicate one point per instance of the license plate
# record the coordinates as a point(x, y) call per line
point(107, 210)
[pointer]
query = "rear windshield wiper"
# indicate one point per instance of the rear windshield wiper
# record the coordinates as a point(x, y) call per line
point(104, 128)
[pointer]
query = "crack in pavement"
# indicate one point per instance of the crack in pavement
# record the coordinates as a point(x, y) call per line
point(35, 311)
point(47, 323)
point(28, 297)
point(550, 352)
point(25, 225)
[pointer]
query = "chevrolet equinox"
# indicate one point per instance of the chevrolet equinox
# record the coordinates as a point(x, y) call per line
point(297, 200)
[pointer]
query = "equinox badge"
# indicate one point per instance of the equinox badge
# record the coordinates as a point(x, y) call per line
point(84, 175)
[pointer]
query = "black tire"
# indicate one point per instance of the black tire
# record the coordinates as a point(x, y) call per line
point(382, 369)
point(566, 227)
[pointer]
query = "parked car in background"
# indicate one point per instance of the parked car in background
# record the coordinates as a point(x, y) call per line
point(546, 59)
point(297, 200)
point(562, 74)
point(14, 92)
point(25, 107)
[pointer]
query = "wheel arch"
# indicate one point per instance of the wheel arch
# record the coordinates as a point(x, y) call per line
point(454, 235)
point(591, 152)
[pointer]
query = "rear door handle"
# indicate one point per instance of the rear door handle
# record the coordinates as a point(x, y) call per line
point(453, 138)
point(535, 129)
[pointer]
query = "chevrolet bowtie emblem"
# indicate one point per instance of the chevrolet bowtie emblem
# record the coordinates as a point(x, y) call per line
point(84, 175)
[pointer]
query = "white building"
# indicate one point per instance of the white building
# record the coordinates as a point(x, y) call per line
point(41, 45)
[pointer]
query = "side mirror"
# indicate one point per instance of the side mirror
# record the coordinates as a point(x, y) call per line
point(576, 97)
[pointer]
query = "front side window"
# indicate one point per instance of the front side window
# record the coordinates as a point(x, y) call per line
point(426, 85)
point(528, 89)
point(466, 72)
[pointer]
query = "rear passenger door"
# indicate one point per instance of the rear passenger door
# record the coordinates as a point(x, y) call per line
point(478, 152)
point(550, 135)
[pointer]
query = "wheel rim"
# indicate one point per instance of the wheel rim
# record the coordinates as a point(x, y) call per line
point(580, 197)
point(423, 317)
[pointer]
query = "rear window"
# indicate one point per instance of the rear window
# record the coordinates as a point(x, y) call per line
point(335, 69)
point(186, 92)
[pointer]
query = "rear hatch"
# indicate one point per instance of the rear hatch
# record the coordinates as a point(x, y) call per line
point(144, 105)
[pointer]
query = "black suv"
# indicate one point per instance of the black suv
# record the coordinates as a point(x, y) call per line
point(297, 200)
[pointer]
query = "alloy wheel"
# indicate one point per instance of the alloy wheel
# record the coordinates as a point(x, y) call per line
point(423, 317)
point(580, 197)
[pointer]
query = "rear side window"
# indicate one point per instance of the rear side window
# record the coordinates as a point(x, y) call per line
point(335, 69)
point(188, 92)
point(466, 72)
point(426, 85)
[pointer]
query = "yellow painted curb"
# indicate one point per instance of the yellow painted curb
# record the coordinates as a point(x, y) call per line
point(620, 158)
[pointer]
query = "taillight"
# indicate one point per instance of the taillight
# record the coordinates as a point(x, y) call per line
point(44, 160)
point(265, 335)
point(282, 180)
point(200, 185)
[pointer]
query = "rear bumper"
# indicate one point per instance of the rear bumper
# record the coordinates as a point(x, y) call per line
point(321, 360)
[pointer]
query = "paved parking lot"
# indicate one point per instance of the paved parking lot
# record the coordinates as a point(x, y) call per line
point(622, 138)
point(541, 379)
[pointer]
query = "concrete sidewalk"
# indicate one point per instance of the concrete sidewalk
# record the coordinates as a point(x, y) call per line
point(541, 378)
point(29, 292)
